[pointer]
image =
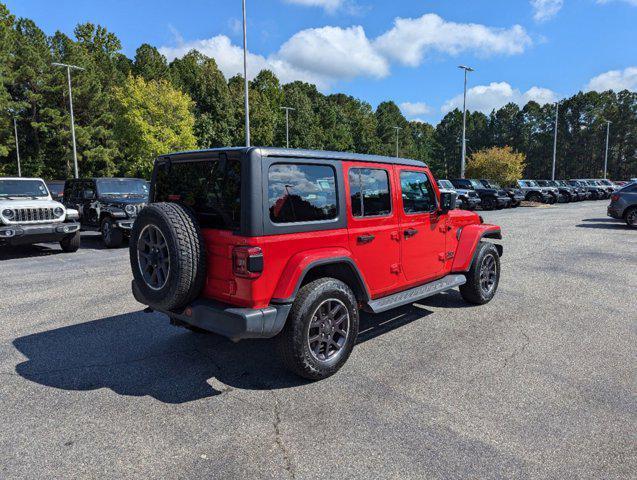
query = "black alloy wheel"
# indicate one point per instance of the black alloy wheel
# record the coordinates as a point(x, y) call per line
point(153, 257)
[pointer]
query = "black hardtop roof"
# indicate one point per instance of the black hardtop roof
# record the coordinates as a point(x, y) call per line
point(301, 154)
point(103, 178)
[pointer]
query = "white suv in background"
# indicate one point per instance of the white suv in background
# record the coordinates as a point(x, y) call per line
point(29, 215)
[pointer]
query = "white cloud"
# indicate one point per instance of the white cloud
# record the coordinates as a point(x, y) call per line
point(326, 55)
point(629, 2)
point(411, 38)
point(336, 52)
point(615, 80)
point(329, 5)
point(413, 109)
point(546, 9)
point(485, 98)
point(229, 58)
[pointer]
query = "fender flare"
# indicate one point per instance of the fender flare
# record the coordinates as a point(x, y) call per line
point(301, 264)
point(468, 239)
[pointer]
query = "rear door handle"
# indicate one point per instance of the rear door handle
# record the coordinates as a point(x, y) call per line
point(365, 238)
point(410, 232)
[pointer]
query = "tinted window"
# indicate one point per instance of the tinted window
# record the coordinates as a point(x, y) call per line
point(369, 191)
point(212, 188)
point(23, 188)
point(418, 195)
point(301, 193)
point(122, 187)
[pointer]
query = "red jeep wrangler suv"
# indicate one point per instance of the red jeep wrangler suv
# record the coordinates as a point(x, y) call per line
point(268, 242)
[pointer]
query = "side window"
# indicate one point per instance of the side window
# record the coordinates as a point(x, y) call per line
point(76, 192)
point(301, 193)
point(418, 194)
point(369, 191)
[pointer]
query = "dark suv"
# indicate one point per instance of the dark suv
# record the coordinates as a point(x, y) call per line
point(292, 244)
point(108, 205)
point(515, 194)
point(490, 198)
point(623, 204)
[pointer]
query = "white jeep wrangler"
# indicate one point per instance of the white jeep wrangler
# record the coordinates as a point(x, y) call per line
point(29, 215)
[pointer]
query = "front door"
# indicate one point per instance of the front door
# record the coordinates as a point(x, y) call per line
point(423, 230)
point(373, 224)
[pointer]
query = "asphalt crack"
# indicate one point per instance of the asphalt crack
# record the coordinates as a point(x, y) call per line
point(518, 352)
point(278, 438)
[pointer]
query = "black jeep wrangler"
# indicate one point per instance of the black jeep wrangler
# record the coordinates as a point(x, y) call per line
point(107, 205)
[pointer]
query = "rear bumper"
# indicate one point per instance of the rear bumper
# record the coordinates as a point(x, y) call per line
point(615, 212)
point(227, 320)
point(39, 233)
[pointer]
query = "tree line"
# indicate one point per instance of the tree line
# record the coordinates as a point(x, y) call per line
point(127, 111)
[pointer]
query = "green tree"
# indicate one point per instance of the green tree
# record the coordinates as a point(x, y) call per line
point(199, 77)
point(152, 118)
point(150, 64)
point(501, 164)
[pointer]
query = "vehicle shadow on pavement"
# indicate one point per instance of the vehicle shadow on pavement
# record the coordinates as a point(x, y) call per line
point(608, 224)
point(140, 354)
point(28, 251)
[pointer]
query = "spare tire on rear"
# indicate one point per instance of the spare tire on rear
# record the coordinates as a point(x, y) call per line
point(167, 256)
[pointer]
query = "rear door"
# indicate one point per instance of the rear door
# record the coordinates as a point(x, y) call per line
point(423, 230)
point(373, 224)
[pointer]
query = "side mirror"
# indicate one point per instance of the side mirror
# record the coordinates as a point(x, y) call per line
point(89, 194)
point(447, 201)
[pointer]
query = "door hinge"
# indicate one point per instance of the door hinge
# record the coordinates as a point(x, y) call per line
point(395, 236)
point(394, 268)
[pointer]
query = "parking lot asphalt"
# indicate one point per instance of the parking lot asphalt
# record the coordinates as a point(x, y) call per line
point(540, 383)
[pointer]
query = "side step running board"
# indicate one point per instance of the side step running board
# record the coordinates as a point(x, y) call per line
point(417, 293)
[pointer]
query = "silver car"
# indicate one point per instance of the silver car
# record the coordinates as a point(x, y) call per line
point(623, 205)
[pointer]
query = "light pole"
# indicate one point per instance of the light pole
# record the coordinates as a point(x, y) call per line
point(287, 125)
point(464, 120)
point(17, 144)
point(557, 110)
point(68, 75)
point(245, 74)
point(397, 130)
point(608, 122)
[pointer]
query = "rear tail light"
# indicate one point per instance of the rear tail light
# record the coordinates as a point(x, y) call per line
point(614, 198)
point(247, 262)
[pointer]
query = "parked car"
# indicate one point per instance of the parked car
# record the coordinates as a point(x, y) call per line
point(515, 194)
point(596, 193)
point(566, 193)
point(554, 191)
point(56, 188)
point(580, 192)
point(534, 193)
point(490, 198)
point(265, 242)
point(107, 205)
point(467, 199)
point(623, 205)
point(29, 215)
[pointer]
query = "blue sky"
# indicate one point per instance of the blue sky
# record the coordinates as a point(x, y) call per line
point(404, 50)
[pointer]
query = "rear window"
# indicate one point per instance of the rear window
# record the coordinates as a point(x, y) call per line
point(301, 193)
point(212, 188)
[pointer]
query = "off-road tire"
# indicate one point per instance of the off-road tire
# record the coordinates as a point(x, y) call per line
point(186, 252)
point(535, 197)
point(473, 291)
point(630, 216)
point(292, 344)
point(71, 243)
point(115, 237)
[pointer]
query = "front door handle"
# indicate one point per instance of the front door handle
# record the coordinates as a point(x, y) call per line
point(410, 232)
point(365, 239)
